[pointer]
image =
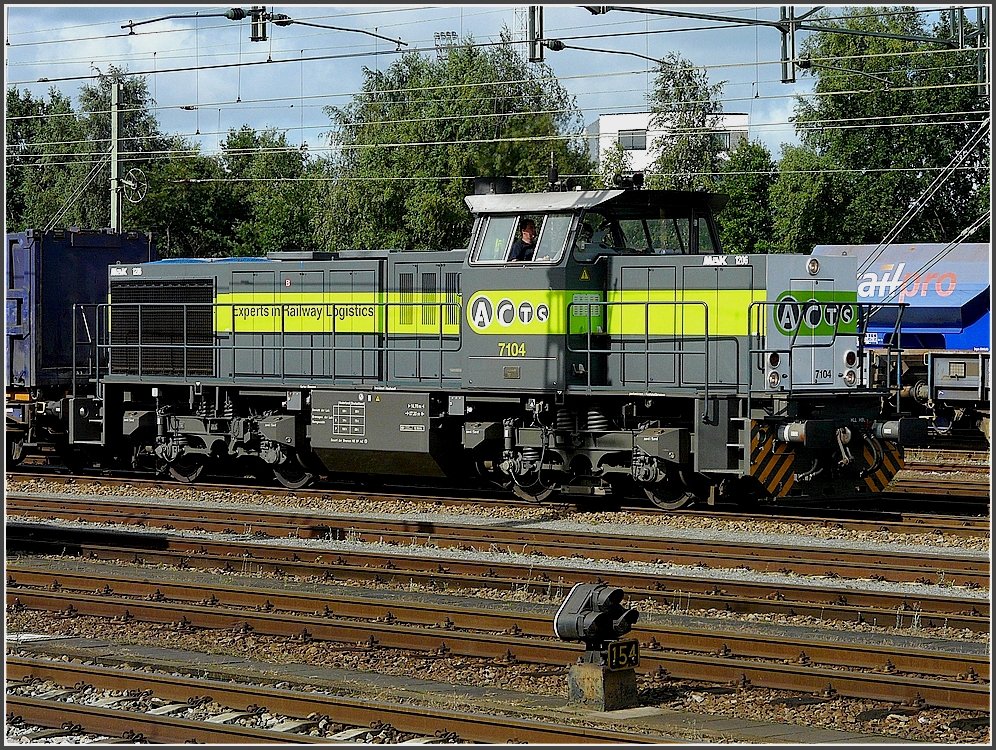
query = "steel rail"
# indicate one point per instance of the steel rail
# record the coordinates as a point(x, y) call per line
point(805, 560)
point(947, 457)
point(239, 484)
point(421, 720)
point(680, 592)
point(797, 677)
point(869, 520)
point(963, 487)
point(838, 653)
point(943, 468)
point(121, 723)
point(296, 519)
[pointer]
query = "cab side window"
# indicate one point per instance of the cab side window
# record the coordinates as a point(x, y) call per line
point(552, 238)
point(497, 239)
point(501, 233)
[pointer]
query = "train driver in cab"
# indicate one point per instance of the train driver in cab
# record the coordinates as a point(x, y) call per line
point(525, 245)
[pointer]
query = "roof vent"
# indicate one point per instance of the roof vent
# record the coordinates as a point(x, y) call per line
point(492, 185)
point(299, 255)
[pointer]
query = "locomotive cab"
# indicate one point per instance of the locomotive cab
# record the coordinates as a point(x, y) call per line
point(539, 323)
point(646, 354)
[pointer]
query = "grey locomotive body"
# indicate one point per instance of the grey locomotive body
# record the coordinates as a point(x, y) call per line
point(628, 354)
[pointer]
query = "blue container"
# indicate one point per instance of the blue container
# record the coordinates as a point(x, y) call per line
point(46, 273)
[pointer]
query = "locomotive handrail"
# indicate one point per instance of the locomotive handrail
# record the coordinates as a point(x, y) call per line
point(78, 310)
point(893, 348)
point(759, 322)
point(444, 328)
point(646, 305)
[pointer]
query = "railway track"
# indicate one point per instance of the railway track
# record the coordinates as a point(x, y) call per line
point(519, 537)
point(143, 594)
point(855, 519)
point(248, 699)
point(28, 579)
point(925, 484)
point(960, 483)
point(679, 592)
point(854, 670)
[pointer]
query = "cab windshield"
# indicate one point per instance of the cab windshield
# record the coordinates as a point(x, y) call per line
point(651, 231)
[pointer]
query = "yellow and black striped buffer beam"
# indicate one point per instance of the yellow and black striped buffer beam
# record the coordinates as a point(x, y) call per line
point(892, 462)
point(771, 461)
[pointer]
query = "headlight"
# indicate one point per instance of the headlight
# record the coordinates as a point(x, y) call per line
point(850, 377)
point(813, 266)
point(773, 379)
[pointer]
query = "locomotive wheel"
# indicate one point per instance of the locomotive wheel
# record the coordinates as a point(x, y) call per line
point(187, 468)
point(292, 475)
point(668, 497)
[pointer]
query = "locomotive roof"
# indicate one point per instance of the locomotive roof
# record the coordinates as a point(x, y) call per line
point(583, 199)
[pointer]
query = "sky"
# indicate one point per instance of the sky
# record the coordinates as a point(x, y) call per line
point(74, 42)
point(312, 68)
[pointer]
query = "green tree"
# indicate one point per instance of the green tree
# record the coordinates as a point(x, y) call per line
point(409, 143)
point(269, 189)
point(687, 107)
point(142, 141)
point(808, 201)
point(58, 167)
point(887, 116)
point(614, 161)
point(745, 225)
point(189, 207)
point(44, 141)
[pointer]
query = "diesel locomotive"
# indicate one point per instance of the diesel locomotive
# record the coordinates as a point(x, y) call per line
point(628, 356)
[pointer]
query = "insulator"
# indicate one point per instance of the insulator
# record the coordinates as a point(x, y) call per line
point(566, 420)
point(202, 409)
point(228, 410)
point(597, 422)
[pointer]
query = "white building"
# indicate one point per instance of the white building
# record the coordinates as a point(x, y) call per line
point(635, 134)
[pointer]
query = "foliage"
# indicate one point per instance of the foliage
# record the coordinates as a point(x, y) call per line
point(43, 160)
point(615, 160)
point(410, 142)
point(687, 107)
point(185, 208)
point(270, 195)
point(888, 115)
point(807, 201)
point(745, 224)
point(58, 167)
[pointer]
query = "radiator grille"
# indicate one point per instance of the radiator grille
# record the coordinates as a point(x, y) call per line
point(428, 299)
point(452, 298)
point(406, 286)
point(173, 322)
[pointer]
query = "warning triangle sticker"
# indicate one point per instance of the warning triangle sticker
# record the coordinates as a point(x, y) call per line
point(584, 274)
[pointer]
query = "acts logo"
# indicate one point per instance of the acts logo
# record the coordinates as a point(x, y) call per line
point(793, 315)
point(483, 312)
